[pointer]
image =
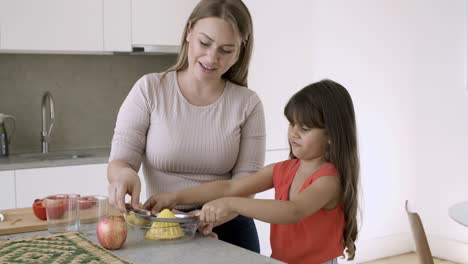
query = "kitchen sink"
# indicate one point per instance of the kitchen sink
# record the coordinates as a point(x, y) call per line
point(55, 158)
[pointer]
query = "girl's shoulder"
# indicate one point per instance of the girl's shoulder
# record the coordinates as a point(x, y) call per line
point(285, 165)
point(283, 171)
point(328, 169)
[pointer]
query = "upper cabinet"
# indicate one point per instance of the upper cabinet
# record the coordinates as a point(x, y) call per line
point(117, 25)
point(159, 22)
point(51, 25)
point(92, 26)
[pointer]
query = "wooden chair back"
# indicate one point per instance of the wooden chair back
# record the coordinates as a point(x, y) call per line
point(422, 246)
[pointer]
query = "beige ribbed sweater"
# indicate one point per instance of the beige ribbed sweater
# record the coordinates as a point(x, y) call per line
point(181, 145)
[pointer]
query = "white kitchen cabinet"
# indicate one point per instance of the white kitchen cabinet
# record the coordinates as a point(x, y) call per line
point(7, 189)
point(117, 25)
point(51, 25)
point(159, 22)
point(39, 182)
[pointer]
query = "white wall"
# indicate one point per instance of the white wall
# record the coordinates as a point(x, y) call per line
point(442, 125)
point(368, 47)
point(404, 65)
point(279, 67)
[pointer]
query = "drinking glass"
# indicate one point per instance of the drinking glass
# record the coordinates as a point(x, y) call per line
point(92, 208)
point(62, 213)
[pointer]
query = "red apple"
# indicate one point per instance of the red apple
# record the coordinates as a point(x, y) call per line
point(111, 232)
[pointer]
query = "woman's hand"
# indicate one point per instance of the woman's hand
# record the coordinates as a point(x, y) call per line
point(161, 201)
point(123, 180)
point(217, 211)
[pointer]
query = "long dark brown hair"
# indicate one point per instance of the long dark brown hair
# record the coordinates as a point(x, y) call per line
point(234, 12)
point(328, 105)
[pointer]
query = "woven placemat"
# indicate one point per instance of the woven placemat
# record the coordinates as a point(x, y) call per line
point(55, 249)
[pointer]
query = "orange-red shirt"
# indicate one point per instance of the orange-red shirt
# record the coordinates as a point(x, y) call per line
point(315, 239)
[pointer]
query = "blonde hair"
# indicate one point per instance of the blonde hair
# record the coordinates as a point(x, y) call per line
point(236, 13)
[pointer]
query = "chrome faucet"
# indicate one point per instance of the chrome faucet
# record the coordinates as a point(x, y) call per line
point(45, 133)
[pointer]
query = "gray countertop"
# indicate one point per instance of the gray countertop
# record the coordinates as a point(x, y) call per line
point(198, 250)
point(55, 159)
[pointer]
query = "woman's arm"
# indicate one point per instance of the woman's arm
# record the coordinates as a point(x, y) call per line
point(251, 156)
point(128, 144)
point(324, 190)
point(243, 186)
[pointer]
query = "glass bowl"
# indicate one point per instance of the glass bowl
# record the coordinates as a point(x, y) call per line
point(144, 231)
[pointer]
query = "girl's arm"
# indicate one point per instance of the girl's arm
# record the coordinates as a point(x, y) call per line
point(241, 186)
point(323, 191)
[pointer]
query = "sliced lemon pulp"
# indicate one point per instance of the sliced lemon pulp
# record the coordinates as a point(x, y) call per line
point(135, 220)
point(164, 230)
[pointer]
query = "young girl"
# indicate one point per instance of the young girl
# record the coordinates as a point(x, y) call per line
point(314, 213)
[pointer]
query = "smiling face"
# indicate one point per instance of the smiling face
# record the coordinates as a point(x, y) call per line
point(307, 143)
point(213, 47)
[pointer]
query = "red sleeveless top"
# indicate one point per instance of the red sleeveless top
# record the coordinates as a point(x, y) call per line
point(315, 239)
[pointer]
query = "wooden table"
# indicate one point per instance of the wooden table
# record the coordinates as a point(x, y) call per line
point(459, 213)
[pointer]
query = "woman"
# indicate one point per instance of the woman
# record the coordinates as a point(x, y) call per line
point(197, 122)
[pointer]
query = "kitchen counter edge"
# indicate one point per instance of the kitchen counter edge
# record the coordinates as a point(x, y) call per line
point(93, 156)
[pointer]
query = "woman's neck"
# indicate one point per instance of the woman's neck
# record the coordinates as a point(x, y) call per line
point(197, 92)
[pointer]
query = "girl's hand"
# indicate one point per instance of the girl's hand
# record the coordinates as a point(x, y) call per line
point(206, 229)
point(216, 211)
point(161, 201)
